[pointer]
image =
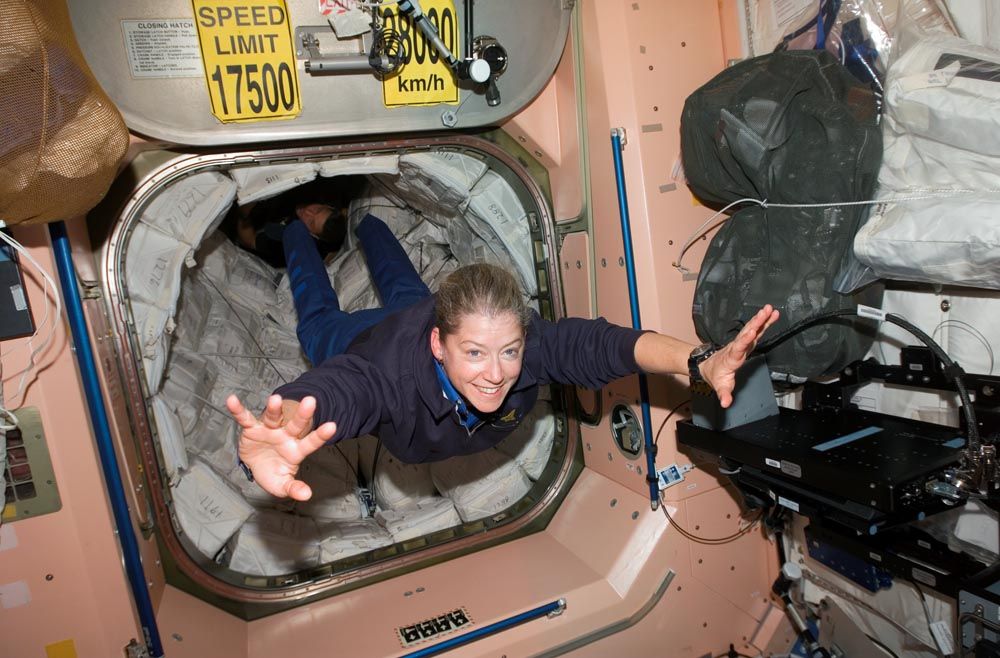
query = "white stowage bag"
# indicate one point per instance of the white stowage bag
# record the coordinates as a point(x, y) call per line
point(171, 436)
point(261, 182)
point(372, 164)
point(235, 273)
point(421, 517)
point(191, 207)
point(941, 145)
point(155, 364)
point(208, 510)
point(495, 204)
point(396, 485)
point(330, 472)
point(531, 443)
point(349, 538)
point(971, 529)
point(434, 182)
point(427, 246)
point(153, 268)
point(480, 484)
point(272, 543)
point(959, 319)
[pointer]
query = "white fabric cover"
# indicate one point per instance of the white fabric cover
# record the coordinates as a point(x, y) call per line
point(941, 132)
point(262, 182)
point(421, 517)
point(972, 529)
point(963, 331)
point(171, 436)
point(153, 267)
point(531, 443)
point(238, 273)
point(977, 20)
point(272, 543)
point(771, 20)
point(900, 603)
point(372, 164)
point(397, 485)
point(480, 484)
point(331, 475)
point(188, 209)
point(494, 206)
point(349, 538)
point(208, 510)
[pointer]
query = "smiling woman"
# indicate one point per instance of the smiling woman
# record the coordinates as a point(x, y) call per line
point(213, 319)
point(478, 338)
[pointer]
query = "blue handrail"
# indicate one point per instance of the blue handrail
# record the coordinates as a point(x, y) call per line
point(555, 607)
point(102, 435)
point(633, 298)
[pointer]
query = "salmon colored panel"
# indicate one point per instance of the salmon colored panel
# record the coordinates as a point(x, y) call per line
point(70, 560)
point(191, 628)
point(550, 130)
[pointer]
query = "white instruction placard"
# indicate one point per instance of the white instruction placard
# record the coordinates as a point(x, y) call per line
point(162, 48)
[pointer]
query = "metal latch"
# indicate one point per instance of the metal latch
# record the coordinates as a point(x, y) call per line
point(135, 650)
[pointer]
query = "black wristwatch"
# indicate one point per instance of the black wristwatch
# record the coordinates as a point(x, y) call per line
point(698, 355)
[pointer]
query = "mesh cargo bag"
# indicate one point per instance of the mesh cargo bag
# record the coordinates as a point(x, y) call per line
point(61, 139)
point(790, 127)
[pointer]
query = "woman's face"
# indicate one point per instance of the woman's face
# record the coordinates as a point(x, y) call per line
point(482, 358)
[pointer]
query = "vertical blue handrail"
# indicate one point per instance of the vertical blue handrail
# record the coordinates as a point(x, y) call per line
point(633, 299)
point(556, 607)
point(102, 434)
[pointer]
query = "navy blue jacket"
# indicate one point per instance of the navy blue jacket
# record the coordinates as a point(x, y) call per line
point(386, 384)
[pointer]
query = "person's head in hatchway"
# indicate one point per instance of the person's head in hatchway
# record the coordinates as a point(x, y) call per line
point(480, 324)
point(322, 206)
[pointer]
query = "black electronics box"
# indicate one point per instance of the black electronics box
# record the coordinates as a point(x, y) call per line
point(15, 314)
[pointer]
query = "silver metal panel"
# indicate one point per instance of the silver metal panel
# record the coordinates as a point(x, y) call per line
point(178, 109)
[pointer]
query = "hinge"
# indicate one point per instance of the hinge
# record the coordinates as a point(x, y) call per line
point(90, 290)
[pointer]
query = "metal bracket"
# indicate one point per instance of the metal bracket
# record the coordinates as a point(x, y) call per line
point(308, 41)
point(135, 650)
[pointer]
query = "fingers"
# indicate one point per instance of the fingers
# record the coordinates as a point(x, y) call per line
point(240, 413)
point(725, 398)
point(298, 490)
point(316, 439)
point(302, 419)
point(272, 415)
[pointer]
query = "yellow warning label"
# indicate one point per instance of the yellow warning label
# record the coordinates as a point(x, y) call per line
point(424, 78)
point(64, 649)
point(9, 512)
point(249, 59)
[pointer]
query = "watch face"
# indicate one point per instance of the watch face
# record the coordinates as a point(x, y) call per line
point(701, 350)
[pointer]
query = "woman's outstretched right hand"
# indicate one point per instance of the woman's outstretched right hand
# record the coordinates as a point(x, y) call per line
point(274, 445)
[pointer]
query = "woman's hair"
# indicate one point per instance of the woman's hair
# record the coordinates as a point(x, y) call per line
point(480, 288)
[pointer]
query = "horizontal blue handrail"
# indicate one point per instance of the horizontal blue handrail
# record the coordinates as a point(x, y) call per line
point(555, 607)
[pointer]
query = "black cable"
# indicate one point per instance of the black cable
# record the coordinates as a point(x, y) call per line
point(923, 602)
point(882, 645)
point(245, 327)
point(709, 540)
point(656, 438)
point(951, 369)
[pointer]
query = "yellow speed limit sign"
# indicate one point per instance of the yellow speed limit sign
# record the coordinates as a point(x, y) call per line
point(249, 59)
point(424, 78)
